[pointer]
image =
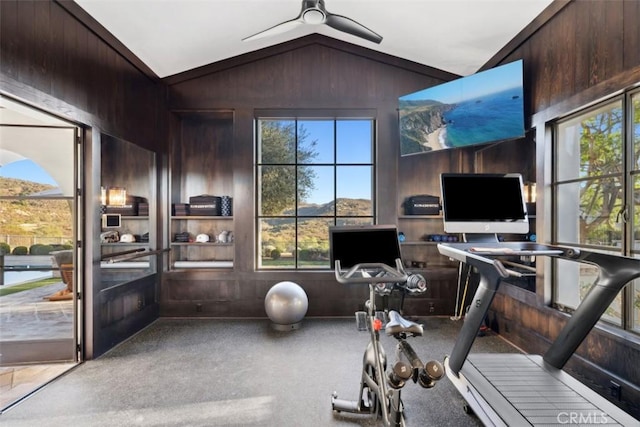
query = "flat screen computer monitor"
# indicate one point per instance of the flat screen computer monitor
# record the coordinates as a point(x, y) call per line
point(475, 203)
point(361, 244)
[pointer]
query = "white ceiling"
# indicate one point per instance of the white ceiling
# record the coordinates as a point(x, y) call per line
point(172, 36)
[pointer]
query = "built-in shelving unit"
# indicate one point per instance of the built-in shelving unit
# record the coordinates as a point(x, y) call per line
point(200, 165)
point(132, 171)
point(193, 254)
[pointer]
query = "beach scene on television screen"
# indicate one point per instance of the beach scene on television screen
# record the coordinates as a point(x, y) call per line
point(478, 109)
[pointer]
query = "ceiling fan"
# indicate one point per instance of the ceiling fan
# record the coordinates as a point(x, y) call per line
point(314, 12)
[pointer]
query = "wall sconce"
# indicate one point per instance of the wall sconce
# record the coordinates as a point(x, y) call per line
point(530, 192)
point(117, 196)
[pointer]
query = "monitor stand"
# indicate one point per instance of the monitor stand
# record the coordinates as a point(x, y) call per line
point(480, 238)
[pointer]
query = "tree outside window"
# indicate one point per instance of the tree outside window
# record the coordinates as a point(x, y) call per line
point(596, 197)
point(311, 174)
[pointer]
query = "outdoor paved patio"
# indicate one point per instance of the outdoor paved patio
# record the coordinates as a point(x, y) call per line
point(28, 315)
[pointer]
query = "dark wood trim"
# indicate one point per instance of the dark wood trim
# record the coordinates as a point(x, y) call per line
point(95, 27)
point(41, 101)
point(301, 43)
point(624, 81)
point(317, 112)
point(523, 36)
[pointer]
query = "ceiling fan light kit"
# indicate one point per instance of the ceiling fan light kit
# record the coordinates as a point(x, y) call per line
point(314, 13)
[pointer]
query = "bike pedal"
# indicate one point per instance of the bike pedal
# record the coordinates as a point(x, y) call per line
point(361, 321)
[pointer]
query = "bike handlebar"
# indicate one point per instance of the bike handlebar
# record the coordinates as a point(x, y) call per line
point(394, 274)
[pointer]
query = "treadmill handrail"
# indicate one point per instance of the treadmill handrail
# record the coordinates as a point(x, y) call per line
point(615, 272)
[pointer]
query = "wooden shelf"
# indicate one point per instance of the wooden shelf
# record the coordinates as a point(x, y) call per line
point(419, 216)
point(125, 244)
point(201, 217)
point(419, 243)
point(200, 244)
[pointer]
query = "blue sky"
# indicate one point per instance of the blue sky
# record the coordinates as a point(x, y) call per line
point(28, 171)
point(353, 146)
point(473, 86)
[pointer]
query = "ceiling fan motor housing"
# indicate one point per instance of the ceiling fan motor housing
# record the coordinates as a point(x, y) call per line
point(313, 11)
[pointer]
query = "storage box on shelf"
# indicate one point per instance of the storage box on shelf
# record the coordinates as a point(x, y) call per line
point(201, 241)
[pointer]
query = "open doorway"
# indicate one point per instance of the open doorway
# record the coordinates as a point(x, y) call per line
point(39, 242)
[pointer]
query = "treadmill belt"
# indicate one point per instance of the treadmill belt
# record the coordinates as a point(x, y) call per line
point(542, 395)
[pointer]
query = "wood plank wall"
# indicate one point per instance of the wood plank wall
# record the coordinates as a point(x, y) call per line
point(55, 62)
point(587, 50)
point(313, 74)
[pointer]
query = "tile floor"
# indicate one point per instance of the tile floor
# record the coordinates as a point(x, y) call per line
point(28, 315)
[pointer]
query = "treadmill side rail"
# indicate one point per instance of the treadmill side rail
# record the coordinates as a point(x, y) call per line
point(497, 407)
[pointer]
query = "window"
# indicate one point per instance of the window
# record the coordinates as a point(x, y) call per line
point(596, 189)
point(311, 174)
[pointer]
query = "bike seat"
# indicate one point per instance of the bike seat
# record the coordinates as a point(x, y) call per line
point(398, 325)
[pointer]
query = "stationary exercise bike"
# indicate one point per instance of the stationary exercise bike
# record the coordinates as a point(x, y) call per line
point(379, 392)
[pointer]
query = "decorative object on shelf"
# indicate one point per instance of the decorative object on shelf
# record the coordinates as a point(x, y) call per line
point(180, 209)
point(127, 238)
point(111, 220)
point(225, 237)
point(109, 237)
point(117, 196)
point(226, 206)
point(529, 189)
point(423, 204)
point(118, 202)
point(205, 205)
point(182, 237)
point(143, 209)
point(286, 304)
point(202, 238)
point(401, 237)
point(440, 238)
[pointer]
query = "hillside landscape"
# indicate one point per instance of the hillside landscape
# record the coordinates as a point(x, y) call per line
point(313, 233)
point(23, 216)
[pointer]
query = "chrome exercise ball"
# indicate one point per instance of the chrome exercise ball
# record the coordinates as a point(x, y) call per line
point(286, 304)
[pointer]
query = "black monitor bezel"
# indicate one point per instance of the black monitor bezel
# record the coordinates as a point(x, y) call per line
point(352, 256)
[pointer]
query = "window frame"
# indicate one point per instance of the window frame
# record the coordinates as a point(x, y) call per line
point(629, 173)
point(335, 218)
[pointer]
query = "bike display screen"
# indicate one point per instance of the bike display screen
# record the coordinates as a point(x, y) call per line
point(353, 245)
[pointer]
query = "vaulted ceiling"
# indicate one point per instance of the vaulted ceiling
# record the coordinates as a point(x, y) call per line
point(173, 36)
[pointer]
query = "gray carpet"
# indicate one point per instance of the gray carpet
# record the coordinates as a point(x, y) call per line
point(195, 372)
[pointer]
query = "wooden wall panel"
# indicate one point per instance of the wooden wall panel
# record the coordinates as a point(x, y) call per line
point(584, 44)
point(317, 74)
point(631, 35)
point(54, 61)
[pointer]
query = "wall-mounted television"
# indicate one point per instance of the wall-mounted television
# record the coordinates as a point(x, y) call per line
point(476, 203)
point(478, 109)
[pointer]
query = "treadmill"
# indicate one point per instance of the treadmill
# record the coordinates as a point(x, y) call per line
point(525, 389)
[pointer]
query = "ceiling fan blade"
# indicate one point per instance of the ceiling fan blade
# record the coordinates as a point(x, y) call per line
point(344, 24)
point(277, 29)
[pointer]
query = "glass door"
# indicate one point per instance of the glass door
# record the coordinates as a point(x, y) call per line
point(39, 211)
